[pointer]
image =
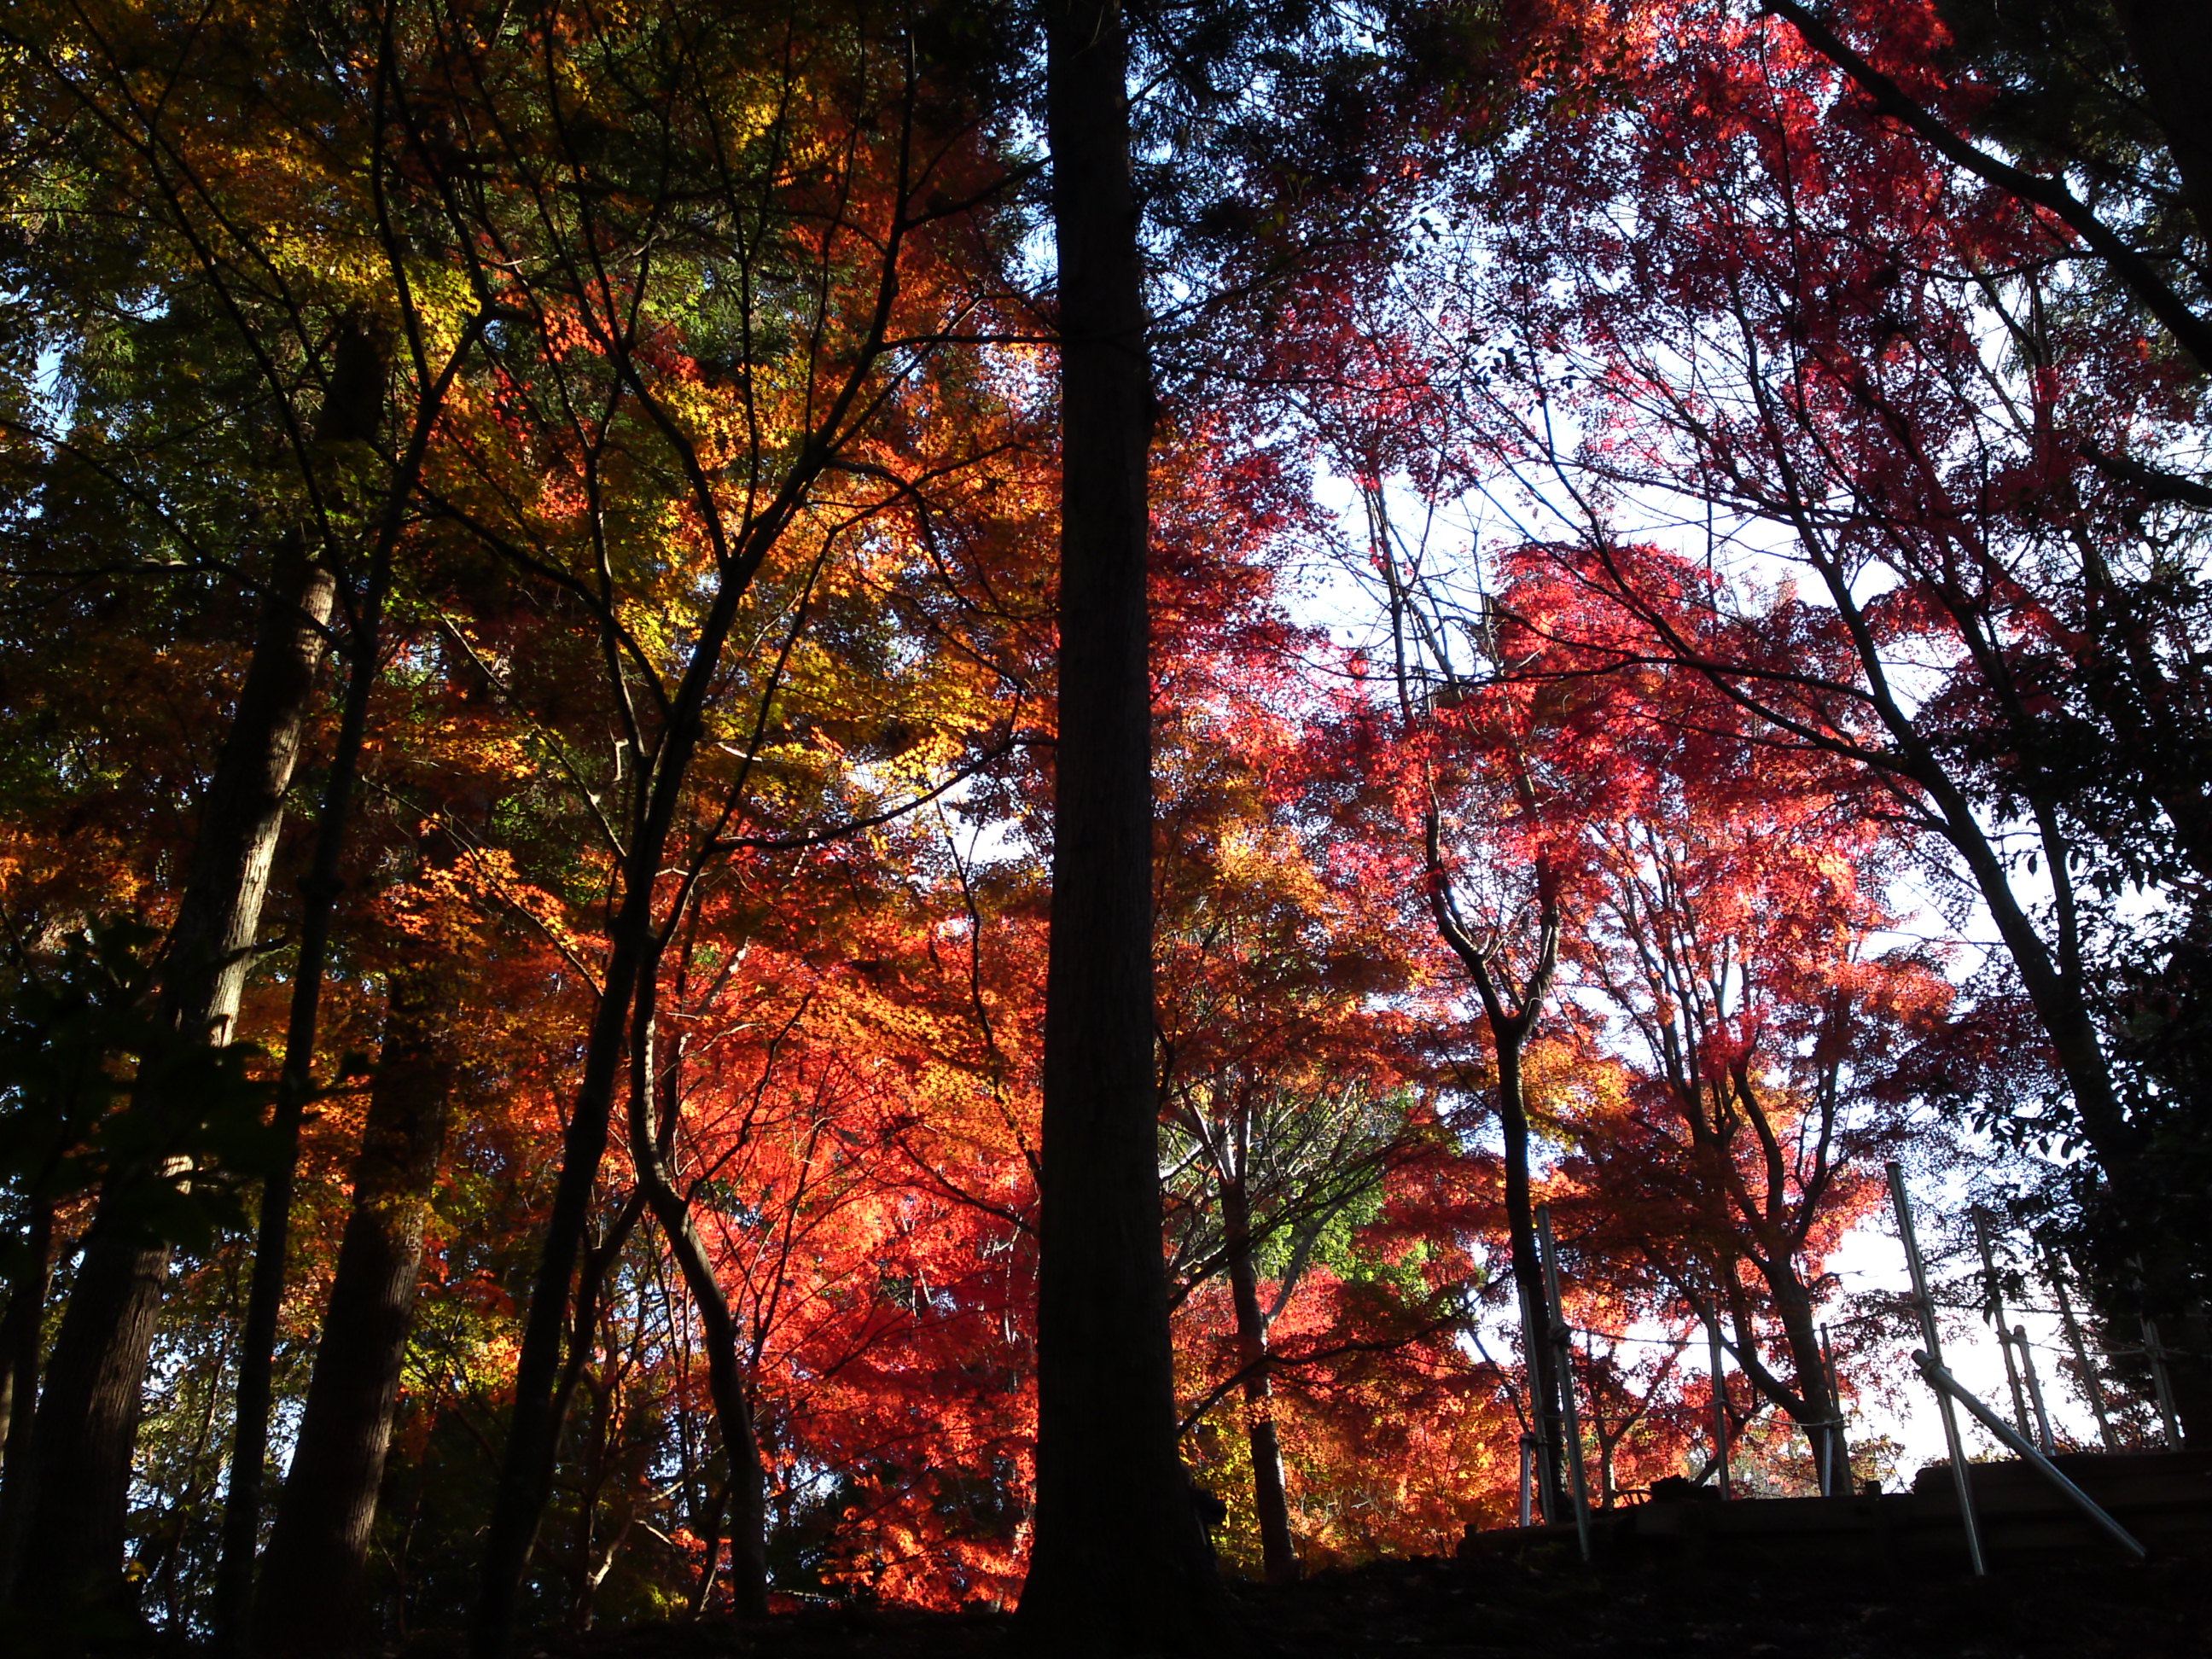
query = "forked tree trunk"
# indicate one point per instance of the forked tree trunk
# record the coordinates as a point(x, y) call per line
point(311, 1578)
point(72, 1544)
point(746, 1502)
point(1121, 1563)
point(1279, 1549)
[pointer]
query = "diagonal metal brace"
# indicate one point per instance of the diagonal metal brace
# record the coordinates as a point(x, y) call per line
point(1944, 1382)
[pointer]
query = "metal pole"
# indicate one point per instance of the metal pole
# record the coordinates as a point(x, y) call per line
point(1832, 1449)
point(1527, 1471)
point(1563, 1346)
point(1960, 1477)
point(1993, 1314)
point(2034, 1389)
point(1536, 1341)
point(2162, 1384)
point(1720, 1403)
point(1948, 1387)
point(2090, 1386)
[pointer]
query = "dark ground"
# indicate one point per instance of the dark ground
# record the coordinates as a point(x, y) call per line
point(1502, 1609)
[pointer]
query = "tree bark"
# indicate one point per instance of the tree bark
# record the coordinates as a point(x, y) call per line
point(746, 1502)
point(21, 1344)
point(1279, 1550)
point(1817, 1406)
point(1121, 1563)
point(352, 411)
point(310, 1580)
point(1544, 1380)
point(72, 1541)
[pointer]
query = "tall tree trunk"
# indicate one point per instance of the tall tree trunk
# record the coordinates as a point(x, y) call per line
point(72, 1544)
point(311, 1581)
point(1817, 1406)
point(22, 1334)
point(1121, 1563)
point(746, 1504)
point(1510, 1024)
point(1279, 1550)
point(352, 411)
point(543, 1384)
point(1545, 1404)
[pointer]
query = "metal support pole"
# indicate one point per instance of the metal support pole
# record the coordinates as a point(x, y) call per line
point(1834, 1461)
point(1562, 1347)
point(2161, 1385)
point(1720, 1404)
point(1993, 1314)
point(2090, 1386)
point(1948, 1387)
point(2048, 1441)
point(1528, 1474)
point(1960, 1477)
point(1535, 1342)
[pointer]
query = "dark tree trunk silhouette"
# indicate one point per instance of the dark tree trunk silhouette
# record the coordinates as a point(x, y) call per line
point(1120, 1563)
point(1279, 1550)
point(351, 413)
point(746, 1501)
point(21, 1343)
point(1546, 1406)
point(311, 1578)
point(72, 1538)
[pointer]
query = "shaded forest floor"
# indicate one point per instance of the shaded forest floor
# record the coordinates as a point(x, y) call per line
point(1518, 1610)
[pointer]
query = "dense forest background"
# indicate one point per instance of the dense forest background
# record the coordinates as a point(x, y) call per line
point(580, 589)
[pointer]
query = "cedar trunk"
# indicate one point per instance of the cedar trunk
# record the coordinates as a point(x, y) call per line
point(311, 1578)
point(71, 1544)
point(1121, 1563)
point(352, 410)
point(21, 1340)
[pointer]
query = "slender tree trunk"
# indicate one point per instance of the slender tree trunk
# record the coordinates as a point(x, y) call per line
point(2137, 1195)
point(1279, 1550)
point(542, 1386)
point(311, 1582)
point(72, 1540)
point(1121, 1563)
point(2189, 1369)
point(746, 1505)
point(1529, 1280)
point(709, 1528)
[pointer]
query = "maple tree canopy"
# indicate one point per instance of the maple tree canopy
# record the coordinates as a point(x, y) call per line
point(796, 800)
